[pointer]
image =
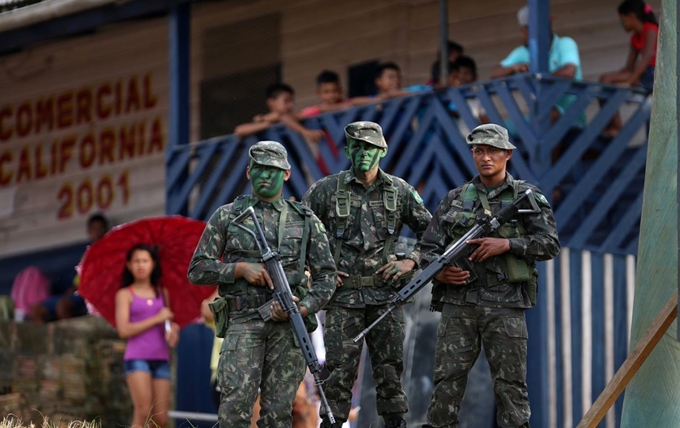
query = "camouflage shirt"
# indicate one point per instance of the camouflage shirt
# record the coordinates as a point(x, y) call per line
point(532, 237)
point(366, 232)
point(223, 244)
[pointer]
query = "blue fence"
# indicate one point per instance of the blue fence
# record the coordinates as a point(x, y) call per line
point(594, 184)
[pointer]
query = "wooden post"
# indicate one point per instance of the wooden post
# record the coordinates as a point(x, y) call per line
point(652, 398)
point(640, 353)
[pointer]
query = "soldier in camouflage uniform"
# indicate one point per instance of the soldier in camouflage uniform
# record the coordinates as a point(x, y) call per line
point(483, 302)
point(256, 354)
point(364, 210)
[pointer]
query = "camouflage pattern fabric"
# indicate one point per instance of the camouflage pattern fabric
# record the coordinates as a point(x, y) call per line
point(270, 153)
point(461, 332)
point(486, 309)
point(354, 305)
point(366, 233)
point(370, 132)
point(257, 354)
point(491, 135)
point(343, 356)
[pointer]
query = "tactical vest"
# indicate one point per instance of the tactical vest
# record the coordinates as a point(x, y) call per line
point(342, 210)
point(298, 279)
point(515, 270)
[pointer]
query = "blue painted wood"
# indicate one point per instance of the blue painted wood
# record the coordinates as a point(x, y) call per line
point(539, 35)
point(597, 314)
point(629, 220)
point(559, 368)
point(525, 132)
point(607, 201)
point(567, 121)
point(600, 167)
point(537, 374)
point(524, 85)
point(179, 36)
point(584, 141)
point(207, 153)
point(228, 191)
point(227, 150)
point(553, 90)
point(455, 95)
point(620, 324)
point(193, 373)
point(576, 294)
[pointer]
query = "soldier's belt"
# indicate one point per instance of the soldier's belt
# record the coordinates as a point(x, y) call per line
point(241, 303)
point(356, 281)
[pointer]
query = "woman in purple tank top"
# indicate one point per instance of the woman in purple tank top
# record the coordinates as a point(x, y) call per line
point(141, 315)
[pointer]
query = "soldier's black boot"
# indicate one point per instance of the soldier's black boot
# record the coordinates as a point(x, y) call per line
point(395, 422)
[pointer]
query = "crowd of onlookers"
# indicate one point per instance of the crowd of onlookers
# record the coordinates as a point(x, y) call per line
point(636, 16)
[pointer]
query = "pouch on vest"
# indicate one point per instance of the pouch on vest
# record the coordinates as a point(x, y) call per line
point(532, 288)
point(516, 270)
point(220, 311)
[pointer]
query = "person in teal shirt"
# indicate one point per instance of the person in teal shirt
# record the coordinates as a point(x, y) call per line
point(564, 61)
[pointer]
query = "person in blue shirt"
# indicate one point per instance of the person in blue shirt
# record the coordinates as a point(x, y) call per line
point(564, 61)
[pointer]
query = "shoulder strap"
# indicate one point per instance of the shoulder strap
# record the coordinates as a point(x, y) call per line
point(240, 204)
point(507, 197)
point(307, 213)
point(390, 192)
point(342, 205)
point(468, 196)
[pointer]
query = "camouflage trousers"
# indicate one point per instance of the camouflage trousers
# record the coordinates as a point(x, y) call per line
point(260, 355)
point(461, 332)
point(385, 347)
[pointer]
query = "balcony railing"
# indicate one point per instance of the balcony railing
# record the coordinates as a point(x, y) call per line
point(594, 183)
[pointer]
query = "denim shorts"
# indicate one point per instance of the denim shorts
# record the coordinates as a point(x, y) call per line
point(159, 369)
point(647, 79)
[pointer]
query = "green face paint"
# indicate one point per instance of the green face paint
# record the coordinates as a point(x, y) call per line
point(364, 156)
point(267, 181)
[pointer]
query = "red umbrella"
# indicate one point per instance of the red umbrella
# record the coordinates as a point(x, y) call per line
point(174, 236)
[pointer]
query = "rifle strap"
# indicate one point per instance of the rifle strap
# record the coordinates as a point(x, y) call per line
point(305, 239)
point(390, 202)
point(240, 204)
point(470, 194)
point(342, 206)
point(282, 224)
point(307, 213)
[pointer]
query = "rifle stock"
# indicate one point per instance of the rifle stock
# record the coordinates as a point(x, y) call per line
point(454, 253)
point(283, 294)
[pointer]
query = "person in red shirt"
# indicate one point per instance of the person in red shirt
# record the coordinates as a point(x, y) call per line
point(638, 17)
point(329, 91)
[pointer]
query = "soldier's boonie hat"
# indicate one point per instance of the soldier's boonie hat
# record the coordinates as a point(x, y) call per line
point(490, 135)
point(269, 153)
point(369, 132)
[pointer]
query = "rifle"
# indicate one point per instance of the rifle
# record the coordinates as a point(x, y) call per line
point(484, 226)
point(284, 296)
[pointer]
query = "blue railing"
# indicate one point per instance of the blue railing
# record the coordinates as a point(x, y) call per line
point(595, 184)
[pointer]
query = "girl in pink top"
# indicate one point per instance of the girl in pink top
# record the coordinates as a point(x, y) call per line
point(141, 315)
